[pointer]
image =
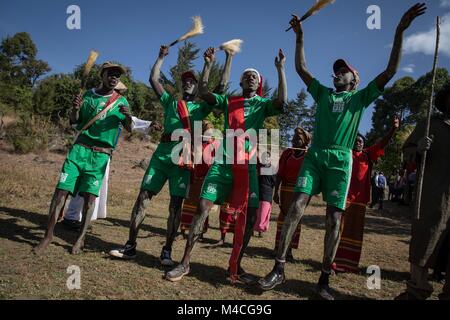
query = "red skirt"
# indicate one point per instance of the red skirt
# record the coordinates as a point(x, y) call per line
point(190, 205)
point(349, 251)
point(286, 199)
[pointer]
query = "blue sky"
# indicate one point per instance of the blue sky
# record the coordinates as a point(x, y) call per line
point(132, 31)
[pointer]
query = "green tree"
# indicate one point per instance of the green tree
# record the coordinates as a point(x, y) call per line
point(421, 91)
point(297, 114)
point(53, 96)
point(393, 151)
point(18, 63)
point(409, 99)
point(19, 71)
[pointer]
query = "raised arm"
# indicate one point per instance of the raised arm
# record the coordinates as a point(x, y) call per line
point(209, 57)
point(156, 71)
point(417, 10)
point(385, 140)
point(282, 98)
point(300, 61)
point(75, 112)
point(225, 74)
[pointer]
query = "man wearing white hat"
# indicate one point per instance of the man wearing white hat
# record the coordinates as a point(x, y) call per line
point(237, 181)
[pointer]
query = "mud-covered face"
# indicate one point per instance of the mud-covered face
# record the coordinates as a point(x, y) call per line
point(297, 141)
point(111, 78)
point(189, 86)
point(250, 81)
point(343, 77)
point(359, 144)
point(265, 159)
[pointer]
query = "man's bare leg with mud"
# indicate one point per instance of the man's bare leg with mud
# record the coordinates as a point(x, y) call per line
point(88, 211)
point(56, 207)
point(195, 233)
point(138, 215)
point(295, 214)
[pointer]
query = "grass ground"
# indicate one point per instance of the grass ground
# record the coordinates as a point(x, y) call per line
point(26, 186)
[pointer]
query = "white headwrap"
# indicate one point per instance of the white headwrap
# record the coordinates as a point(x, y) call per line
point(251, 70)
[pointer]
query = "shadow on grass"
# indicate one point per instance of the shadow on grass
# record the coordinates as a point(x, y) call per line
point(259, 252)
point(393, 275)
point(146, 226)
point(385, 224)
point(300, 289)
point(11, 230)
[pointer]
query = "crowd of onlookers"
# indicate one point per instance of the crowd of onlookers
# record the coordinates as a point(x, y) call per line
point(399, 186)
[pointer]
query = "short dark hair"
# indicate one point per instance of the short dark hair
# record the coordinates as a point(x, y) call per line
point(362, 137)
point(441, 98)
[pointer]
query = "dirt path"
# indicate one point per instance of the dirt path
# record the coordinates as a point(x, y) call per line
point(26, 186)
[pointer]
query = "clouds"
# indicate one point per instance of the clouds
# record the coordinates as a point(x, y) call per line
point(424, 42)
point(409, 68)
point(445, 3)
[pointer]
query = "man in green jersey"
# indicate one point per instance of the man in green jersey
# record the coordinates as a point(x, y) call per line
point(248, 112)
point(161, 167)
point(327, 166)
point(85, 165)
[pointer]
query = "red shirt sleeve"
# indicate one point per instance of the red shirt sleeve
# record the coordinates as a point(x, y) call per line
point(375, 152)
point(282, 164)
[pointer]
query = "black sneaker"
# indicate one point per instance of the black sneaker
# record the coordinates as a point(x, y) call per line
point(273, 279)
point(177, 273)
point(247, 278)
point(126, 252)
point(165, 258)
point(243, 277)
point(323, 291)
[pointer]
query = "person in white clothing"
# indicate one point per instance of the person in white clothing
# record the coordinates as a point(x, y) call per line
point(72, 217)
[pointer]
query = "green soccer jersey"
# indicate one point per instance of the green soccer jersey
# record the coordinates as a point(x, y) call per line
point(256, 110)
point(338, 115)
point(197, 112)
point(104, 131)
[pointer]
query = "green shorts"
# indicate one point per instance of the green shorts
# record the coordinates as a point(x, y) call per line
point(83, 171)
point(326, 171)
point(219, 182)
point(161, 169)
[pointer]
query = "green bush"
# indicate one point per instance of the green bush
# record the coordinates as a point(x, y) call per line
point(31, 134)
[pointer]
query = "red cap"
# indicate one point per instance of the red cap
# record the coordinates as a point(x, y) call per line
point(188, 75)
point(342, 63)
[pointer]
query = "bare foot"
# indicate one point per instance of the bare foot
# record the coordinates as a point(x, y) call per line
point(77, 247)
point(41, 247)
